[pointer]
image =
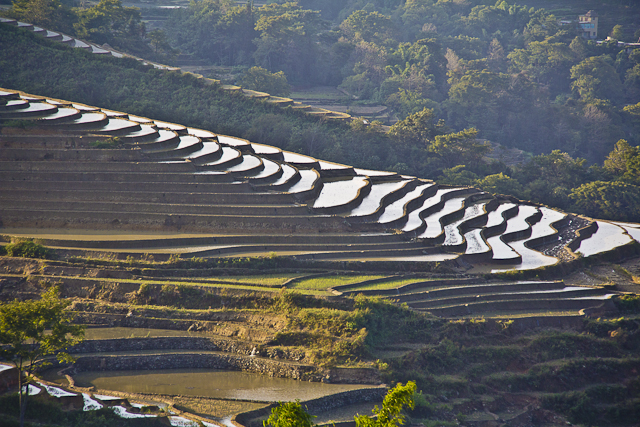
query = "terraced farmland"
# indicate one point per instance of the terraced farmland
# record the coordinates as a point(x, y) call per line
point(75, 167)
point(185, 249)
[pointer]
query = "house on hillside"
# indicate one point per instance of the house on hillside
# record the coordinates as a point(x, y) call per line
point(589, 24)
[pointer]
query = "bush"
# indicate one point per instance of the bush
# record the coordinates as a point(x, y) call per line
point(110, 143)
point(26, 249)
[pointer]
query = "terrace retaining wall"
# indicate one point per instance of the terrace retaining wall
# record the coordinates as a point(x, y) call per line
point(272, 368)
point(323, 404)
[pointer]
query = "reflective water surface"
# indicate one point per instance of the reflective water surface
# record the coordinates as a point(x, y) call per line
point(210, 383)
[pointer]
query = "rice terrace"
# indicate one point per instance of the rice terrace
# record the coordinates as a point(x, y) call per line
point(215, 276)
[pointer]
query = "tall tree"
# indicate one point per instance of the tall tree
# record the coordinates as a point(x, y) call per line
point(596, 78)
point(419, 128)
point(32, 330)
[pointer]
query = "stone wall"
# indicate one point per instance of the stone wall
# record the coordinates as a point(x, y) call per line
point(272, 368)
point(323, 404)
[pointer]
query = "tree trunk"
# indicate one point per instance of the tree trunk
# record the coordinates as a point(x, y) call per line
point(23, 395)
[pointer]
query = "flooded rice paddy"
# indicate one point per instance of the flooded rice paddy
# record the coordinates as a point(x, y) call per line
point(396, 209)
point(519, 222)
point(607, 237)
point(338, 193)
point(434, 227)
point(308, 179)
point(415, 220)
point(371, 202)
point(475, 242)
point(451, 231)
point(287, 173)
point(495, 217)
point(233, 385)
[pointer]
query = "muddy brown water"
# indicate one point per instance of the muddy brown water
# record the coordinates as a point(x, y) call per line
point(216, 384)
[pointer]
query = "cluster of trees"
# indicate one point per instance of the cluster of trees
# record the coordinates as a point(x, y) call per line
point(511, 72)
point(504, 73)
point(422, 144)
point(32, 330)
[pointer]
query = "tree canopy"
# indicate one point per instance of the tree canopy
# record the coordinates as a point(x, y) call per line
point(32, 330)
point(390, 413)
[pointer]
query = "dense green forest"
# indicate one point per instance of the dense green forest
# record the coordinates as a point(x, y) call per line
point(458, 74)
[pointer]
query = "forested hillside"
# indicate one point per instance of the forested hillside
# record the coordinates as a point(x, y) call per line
point(457, 74)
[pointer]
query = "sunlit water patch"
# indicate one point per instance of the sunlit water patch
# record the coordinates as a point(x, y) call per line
point(414, 221)
point(543, 227)
point(434, 227)
point(451, 231)
point(338, 193)
point(231, 141)
point(121, 411)
point(296, 158)
point(210, 383)
point(530, 258)
point(607, 237)
point(200, 133)
point(90, 404)
point(228, 154)
point(475, 242)
point(308, 179)
point(287, 173)
point(56, 391)
point(248, 162)
point(264, 149)
point(519, 222)
point(501, 251)
point(270, 168)
point(208, 147)
point(632, 229)
point(495, 217)
point(371, 202)
point(396, 209)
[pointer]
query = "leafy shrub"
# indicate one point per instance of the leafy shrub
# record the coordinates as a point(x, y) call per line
point(110, 143)
point(628, 303)
point(22, 124)
point(26, 249)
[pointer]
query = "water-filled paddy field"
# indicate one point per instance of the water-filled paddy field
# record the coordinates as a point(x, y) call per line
point(207, 383)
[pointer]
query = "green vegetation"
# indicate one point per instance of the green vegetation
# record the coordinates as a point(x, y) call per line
point(397, 399)
point(390, 414)
point(391, 284)
point(26, 249)
point(109, 143)
point(257, 78)
point(289, 414)
point(324, 282)
point(555, 107)
point(30, 331)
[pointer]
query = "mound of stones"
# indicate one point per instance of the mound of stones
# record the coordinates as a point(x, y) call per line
point(73, 166)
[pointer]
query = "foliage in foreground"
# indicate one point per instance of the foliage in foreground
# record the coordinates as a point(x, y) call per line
point(30, 331)
point(390, 414)
point(289, 414)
